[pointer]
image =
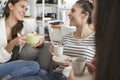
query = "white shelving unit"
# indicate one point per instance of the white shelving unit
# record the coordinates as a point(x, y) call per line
point(38, 11)
point(41, 9)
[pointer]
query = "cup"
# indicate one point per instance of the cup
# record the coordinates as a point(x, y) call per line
point(78, 66)
point(33, 38)
point(58, 50)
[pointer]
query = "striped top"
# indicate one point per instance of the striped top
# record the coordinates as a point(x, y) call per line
point(79, 47)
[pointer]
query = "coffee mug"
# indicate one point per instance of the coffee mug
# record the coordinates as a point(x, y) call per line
point(58, 50)
point(33, 39)
point(78, 66)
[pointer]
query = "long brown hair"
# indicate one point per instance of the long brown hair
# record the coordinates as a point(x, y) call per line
point(19, 26)
point(108, 39)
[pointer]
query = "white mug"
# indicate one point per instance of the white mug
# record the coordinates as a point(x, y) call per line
point(58, 50)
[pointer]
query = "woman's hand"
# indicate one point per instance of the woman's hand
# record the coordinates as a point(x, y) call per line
point(71, 76)
point(15, 42)
point(42, 39)
point(18, 41)
point(67, 61)
point(91, 66)
point(51, 49)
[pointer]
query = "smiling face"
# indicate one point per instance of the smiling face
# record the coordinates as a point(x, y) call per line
point(75, 15)
point(80, 14)
point(18, 10)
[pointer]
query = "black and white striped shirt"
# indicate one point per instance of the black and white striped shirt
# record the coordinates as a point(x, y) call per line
point(79, 47)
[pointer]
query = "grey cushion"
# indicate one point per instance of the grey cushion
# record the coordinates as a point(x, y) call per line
point(28, 53)
point(41, 55)
point(45, 58)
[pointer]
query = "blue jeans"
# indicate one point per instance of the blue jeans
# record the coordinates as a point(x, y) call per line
point(56, 76)
point(51, 76)
point(19, 68)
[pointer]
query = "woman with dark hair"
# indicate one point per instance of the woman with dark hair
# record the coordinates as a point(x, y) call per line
point(19, 28)
point(80, 42)
point(107, 39)
point(10, 28)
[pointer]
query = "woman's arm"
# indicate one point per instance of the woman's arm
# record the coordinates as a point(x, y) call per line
point(4, 54)
point(6, 49)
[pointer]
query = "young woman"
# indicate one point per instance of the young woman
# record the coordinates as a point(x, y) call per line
point(10, 28)
point(81, 42)
point(15, 27)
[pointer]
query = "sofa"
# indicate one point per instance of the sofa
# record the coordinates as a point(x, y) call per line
point(45, 58)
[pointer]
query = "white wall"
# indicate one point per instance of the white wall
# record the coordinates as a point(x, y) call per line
point(69, 3)
point(64, 9)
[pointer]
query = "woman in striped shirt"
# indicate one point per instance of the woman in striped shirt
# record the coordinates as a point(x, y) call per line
point(81, 42)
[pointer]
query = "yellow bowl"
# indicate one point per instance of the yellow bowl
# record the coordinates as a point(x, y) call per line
point(33, 39)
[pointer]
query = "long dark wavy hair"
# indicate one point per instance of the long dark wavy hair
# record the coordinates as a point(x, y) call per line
point(87, 6)
point(19, 26)
point(107, 37)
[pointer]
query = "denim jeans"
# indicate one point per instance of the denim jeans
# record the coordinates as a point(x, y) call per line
point(42, 75)
point(51, 76)
point(56, 76)
point(19, 68)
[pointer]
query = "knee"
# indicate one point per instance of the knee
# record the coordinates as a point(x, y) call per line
point(35, 66)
